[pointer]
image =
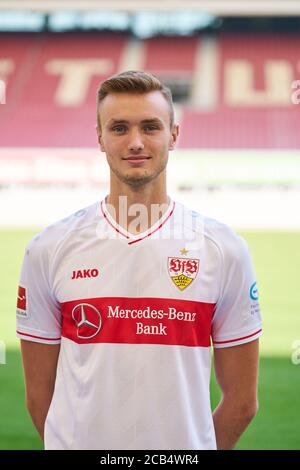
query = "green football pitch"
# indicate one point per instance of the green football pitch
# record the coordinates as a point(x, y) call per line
point(277, 262)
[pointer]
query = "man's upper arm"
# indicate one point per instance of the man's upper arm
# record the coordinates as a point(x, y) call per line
point(38, 310)
point(40, 364)
point(236, 319)
point(236, 370)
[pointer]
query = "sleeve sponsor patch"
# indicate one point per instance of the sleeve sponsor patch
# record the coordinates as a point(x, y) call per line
point(22, 303)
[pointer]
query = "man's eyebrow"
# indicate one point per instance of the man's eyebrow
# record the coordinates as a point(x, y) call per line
point(152, 121)
point(117, 121)
point(144, 121)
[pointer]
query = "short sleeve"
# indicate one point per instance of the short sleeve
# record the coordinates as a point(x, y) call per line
point(237, 317)
point(38, 312)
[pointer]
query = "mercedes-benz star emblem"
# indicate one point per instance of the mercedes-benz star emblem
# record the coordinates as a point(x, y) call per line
point(88, 320)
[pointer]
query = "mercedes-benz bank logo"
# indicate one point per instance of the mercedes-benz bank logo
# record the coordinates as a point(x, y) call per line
point(88, 320)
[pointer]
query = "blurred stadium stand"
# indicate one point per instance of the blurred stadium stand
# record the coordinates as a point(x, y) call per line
point(230, 66)
point(234, 91)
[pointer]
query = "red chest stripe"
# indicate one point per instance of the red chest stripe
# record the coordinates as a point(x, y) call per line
point(137, 320)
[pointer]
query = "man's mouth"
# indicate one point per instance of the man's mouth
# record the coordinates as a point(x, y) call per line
point(137, 158)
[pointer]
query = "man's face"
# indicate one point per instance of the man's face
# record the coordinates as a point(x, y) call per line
point(136, 136)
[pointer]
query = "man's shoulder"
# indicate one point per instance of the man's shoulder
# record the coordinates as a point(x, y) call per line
point(232, 246)
point(55, 234)
point(224, 237)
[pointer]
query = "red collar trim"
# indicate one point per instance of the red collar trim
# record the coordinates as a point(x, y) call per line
point(135, 240)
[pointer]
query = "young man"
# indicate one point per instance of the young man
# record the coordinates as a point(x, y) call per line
point(119, 303)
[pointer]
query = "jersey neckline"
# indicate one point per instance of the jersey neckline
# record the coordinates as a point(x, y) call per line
point(141, 236)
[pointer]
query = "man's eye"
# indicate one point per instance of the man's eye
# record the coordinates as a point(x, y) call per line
point(150, 128)
point(119, 129)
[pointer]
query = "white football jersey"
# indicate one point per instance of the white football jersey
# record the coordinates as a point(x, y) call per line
point(136, 316)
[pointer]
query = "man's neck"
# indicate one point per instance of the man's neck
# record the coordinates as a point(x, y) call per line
point(137, 210)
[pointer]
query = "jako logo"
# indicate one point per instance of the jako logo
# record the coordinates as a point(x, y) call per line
point(83, 273)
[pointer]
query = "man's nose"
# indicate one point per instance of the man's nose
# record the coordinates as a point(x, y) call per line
point(135, 143)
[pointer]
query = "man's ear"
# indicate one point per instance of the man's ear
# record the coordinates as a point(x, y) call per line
point(174, 136)
point(99, 135)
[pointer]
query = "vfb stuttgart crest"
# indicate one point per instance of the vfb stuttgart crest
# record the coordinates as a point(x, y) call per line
point(183, 271)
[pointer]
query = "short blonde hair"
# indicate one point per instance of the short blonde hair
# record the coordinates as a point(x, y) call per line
point(134, 81)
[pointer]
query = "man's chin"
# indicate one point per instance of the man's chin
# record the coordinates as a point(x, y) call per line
point(137, 180)
point(138, 177)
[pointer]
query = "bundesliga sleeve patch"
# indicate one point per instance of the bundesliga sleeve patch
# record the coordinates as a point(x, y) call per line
point(22, 303)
